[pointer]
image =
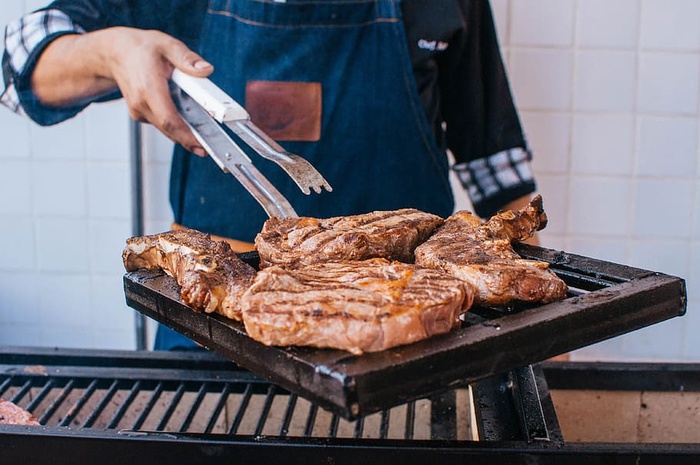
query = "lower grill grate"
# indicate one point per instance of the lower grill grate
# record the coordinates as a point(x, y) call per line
point(205, 395)
point(151, 407)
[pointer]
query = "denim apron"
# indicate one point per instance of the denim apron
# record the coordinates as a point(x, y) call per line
point(376, 147)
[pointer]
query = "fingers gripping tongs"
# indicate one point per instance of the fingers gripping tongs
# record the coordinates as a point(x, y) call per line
point(204, 107)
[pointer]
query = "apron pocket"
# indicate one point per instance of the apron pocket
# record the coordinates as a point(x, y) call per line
point(286, 111)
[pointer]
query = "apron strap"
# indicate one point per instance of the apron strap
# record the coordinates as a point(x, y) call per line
point(236, 245)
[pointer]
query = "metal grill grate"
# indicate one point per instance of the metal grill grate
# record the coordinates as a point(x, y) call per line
point(146, 408)
point(203, 394)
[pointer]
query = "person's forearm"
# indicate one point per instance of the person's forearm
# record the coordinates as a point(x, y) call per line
point(518, 203)
point(73, 69)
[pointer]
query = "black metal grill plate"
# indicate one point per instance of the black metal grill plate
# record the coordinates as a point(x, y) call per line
point(607, 300)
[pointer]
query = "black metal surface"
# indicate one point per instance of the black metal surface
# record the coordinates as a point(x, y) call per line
point(109, 407)
point(58, 447)
point(606, 300)
point(90, 400)
point(516, 406)
point(624, 376)
point(189, 392)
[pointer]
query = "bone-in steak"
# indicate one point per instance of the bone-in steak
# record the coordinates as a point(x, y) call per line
point(358, 306)
point(211, 276)
point(294, 242)
point(482, 255)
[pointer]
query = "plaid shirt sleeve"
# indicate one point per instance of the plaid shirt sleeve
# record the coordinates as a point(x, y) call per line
point(24, 41)
point(493, 181)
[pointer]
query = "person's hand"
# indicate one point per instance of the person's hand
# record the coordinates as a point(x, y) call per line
point(138, 62)
point(141, 67)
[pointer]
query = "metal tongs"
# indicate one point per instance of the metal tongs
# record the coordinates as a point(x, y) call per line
point(205, 107)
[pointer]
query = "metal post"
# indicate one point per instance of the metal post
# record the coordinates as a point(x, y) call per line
point(137, 221)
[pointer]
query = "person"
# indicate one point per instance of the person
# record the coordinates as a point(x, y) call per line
point(374, 93)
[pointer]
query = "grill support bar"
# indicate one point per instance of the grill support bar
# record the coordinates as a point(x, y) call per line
point(516, 406)
point(18, 444)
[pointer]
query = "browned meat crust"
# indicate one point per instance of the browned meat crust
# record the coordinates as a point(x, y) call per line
point(211, 276)
point(294, 242)
point(362, 306)
point(11, 414)
point(340, 282)
point(481, 254)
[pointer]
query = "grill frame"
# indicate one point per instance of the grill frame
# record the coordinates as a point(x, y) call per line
point(505, 441)
point(605, 300)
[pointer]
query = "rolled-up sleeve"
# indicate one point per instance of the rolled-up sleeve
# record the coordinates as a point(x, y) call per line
point(491, 182)
point(25, 39)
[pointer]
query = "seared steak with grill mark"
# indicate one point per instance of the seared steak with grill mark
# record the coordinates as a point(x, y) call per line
point(482, 255)
point(340, 282)
point(294, 242)
point(357, 306)
point(211, 276)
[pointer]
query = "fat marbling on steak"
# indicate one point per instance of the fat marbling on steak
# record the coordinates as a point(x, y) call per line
point(211, 276)
point(357, 306)
point(294, 242)
point(481, 254)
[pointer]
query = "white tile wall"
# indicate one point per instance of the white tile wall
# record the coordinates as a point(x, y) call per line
point(609, 94)
point(670, 25)
point(18, 291)
point(661, 209)
point(557, 205)
point(15, 187)
point(607, 25)
point(549, 135)
point(68, 136)
point(17, 146)
point(603, 210)
point(669, 83)
point(612, 117)
point(106, 196)
point(543, 78)
point(696, 216)
point(602, 80)
point(546, 23)
point(657, 156)
point(17, 245)
point(60, 188)
point(603, 144)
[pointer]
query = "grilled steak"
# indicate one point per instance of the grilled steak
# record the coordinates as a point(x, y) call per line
point(211, 276)
point(294, 242)
point(481, 254)
point(349, 282)
point(11, 414)
point(358, 306)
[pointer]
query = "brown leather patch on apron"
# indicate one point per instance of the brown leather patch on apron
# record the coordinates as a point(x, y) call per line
point(286, 111)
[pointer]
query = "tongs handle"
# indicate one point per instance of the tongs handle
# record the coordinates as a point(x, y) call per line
point(229, 156)
point(211, 97)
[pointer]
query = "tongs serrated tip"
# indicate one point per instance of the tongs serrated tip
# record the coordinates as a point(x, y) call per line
point(225, 110)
